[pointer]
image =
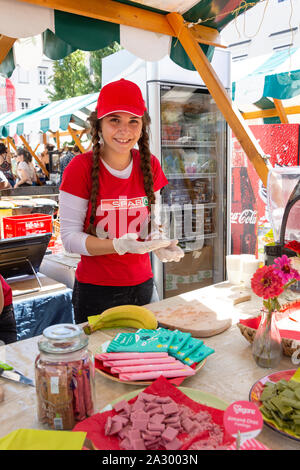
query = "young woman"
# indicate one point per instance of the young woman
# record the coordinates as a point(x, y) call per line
point(105, 204)
point(25, 170)
point(8, 328)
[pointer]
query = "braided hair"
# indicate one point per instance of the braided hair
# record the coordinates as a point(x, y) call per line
point(143, 144)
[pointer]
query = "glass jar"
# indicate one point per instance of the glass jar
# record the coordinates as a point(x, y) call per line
point(267, 347)
point(65, 377)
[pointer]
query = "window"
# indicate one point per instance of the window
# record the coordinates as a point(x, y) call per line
point(239, 57)
point(24, 103)
point(284, 31)
point(284, 46)
point(42, 75)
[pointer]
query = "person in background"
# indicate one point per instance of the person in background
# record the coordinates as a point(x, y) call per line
point(5, 164)
point(106, 199)
point(65, 160)
point(45, 158)
point(8, 327)
point(4, 184)
point(26, 172)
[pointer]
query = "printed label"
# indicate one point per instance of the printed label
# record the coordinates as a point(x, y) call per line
point(54, 387)
point(124, 203)
point(57, 422)
point(243, 417)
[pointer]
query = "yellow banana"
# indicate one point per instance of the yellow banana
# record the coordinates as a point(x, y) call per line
point(124, 323)
point(132, 316)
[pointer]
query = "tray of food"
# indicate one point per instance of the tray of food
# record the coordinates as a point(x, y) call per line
point(143, 356)
point(278, 398)
point(162, 417)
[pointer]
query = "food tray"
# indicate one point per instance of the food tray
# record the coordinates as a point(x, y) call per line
point(140, 382)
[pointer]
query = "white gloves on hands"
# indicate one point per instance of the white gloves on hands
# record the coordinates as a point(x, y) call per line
point(128, 244)
point(170, 253)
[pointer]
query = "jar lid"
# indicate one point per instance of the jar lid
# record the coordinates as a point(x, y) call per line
point(63, 338)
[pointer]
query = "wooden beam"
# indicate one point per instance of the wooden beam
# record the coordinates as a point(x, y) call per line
point(45, 140)
point(206, 35)
point(41, 164)
point(76, 139)
point(6, 44)
point(266, 113)
point(57, 140)
point(219, 94)
point(11, 142)
point(113, 12)
point(281, 111)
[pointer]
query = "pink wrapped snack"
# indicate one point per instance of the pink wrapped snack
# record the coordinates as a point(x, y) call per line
point(185, 372)
point(129, 355)
point(132, 362)
point(146, 368)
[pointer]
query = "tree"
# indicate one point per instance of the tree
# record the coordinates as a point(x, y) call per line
point(70, 77)
point(96, 63)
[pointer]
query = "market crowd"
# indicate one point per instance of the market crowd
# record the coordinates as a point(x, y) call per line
point(19, 169)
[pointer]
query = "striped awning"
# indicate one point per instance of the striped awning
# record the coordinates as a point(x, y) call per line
point(272, 76)
point(50, 117)
point(62, 32)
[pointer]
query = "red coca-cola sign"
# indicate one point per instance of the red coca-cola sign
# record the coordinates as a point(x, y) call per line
point(248, 195)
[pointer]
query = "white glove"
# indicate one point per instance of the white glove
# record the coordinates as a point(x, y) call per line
point(170, 253)
point(129, 244)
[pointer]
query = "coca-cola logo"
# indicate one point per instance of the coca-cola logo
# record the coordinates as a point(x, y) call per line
point(247, 216)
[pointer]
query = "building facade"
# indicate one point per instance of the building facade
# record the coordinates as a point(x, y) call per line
point(270, 26)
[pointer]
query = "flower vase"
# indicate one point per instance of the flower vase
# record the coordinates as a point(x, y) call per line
point(267, 347)
point(295, 262)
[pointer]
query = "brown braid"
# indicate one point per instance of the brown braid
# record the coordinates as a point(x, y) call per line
point(145, 153)
point(95, 129)
point(146, 168)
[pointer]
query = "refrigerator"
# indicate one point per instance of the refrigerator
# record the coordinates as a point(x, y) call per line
point(193, 151)
point(249, 218)
point(190, 138)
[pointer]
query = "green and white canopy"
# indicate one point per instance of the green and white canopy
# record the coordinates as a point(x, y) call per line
point(275, 75)
point(50, 117)
point(57, 33)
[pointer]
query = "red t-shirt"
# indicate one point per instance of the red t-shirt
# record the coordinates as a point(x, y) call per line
point(7, 292)
point(121, 208)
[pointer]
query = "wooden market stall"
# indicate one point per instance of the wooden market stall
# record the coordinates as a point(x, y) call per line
point(189, 33)
point(57, 119)
point(267, 87)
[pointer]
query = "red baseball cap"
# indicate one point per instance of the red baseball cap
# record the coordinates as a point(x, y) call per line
point(123, 96)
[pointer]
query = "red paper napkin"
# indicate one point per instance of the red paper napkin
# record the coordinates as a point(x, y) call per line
point(95, 425)
point(254, 323)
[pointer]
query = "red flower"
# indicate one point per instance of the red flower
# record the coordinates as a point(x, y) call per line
point(266, 283)
point(293, 245)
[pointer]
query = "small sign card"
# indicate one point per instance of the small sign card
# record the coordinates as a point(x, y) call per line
point(243, 420)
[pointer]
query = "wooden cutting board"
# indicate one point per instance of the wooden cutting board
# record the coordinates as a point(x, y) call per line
point(192, 316)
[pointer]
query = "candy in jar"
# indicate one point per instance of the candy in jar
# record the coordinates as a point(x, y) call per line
point(64, 372)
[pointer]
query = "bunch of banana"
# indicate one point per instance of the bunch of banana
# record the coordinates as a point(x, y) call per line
point(122, 316)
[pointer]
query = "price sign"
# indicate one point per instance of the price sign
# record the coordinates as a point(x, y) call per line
point(243, 420)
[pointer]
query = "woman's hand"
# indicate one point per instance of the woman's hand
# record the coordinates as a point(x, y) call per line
point(129, 244)
point(170, 253)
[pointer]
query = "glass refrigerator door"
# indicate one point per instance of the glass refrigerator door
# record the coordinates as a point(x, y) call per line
point(193, 136)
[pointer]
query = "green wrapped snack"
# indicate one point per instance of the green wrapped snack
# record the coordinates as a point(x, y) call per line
point(179, 340)
point(198, 354)
point(188, 348)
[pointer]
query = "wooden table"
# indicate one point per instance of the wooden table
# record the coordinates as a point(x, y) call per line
point(229, 374)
